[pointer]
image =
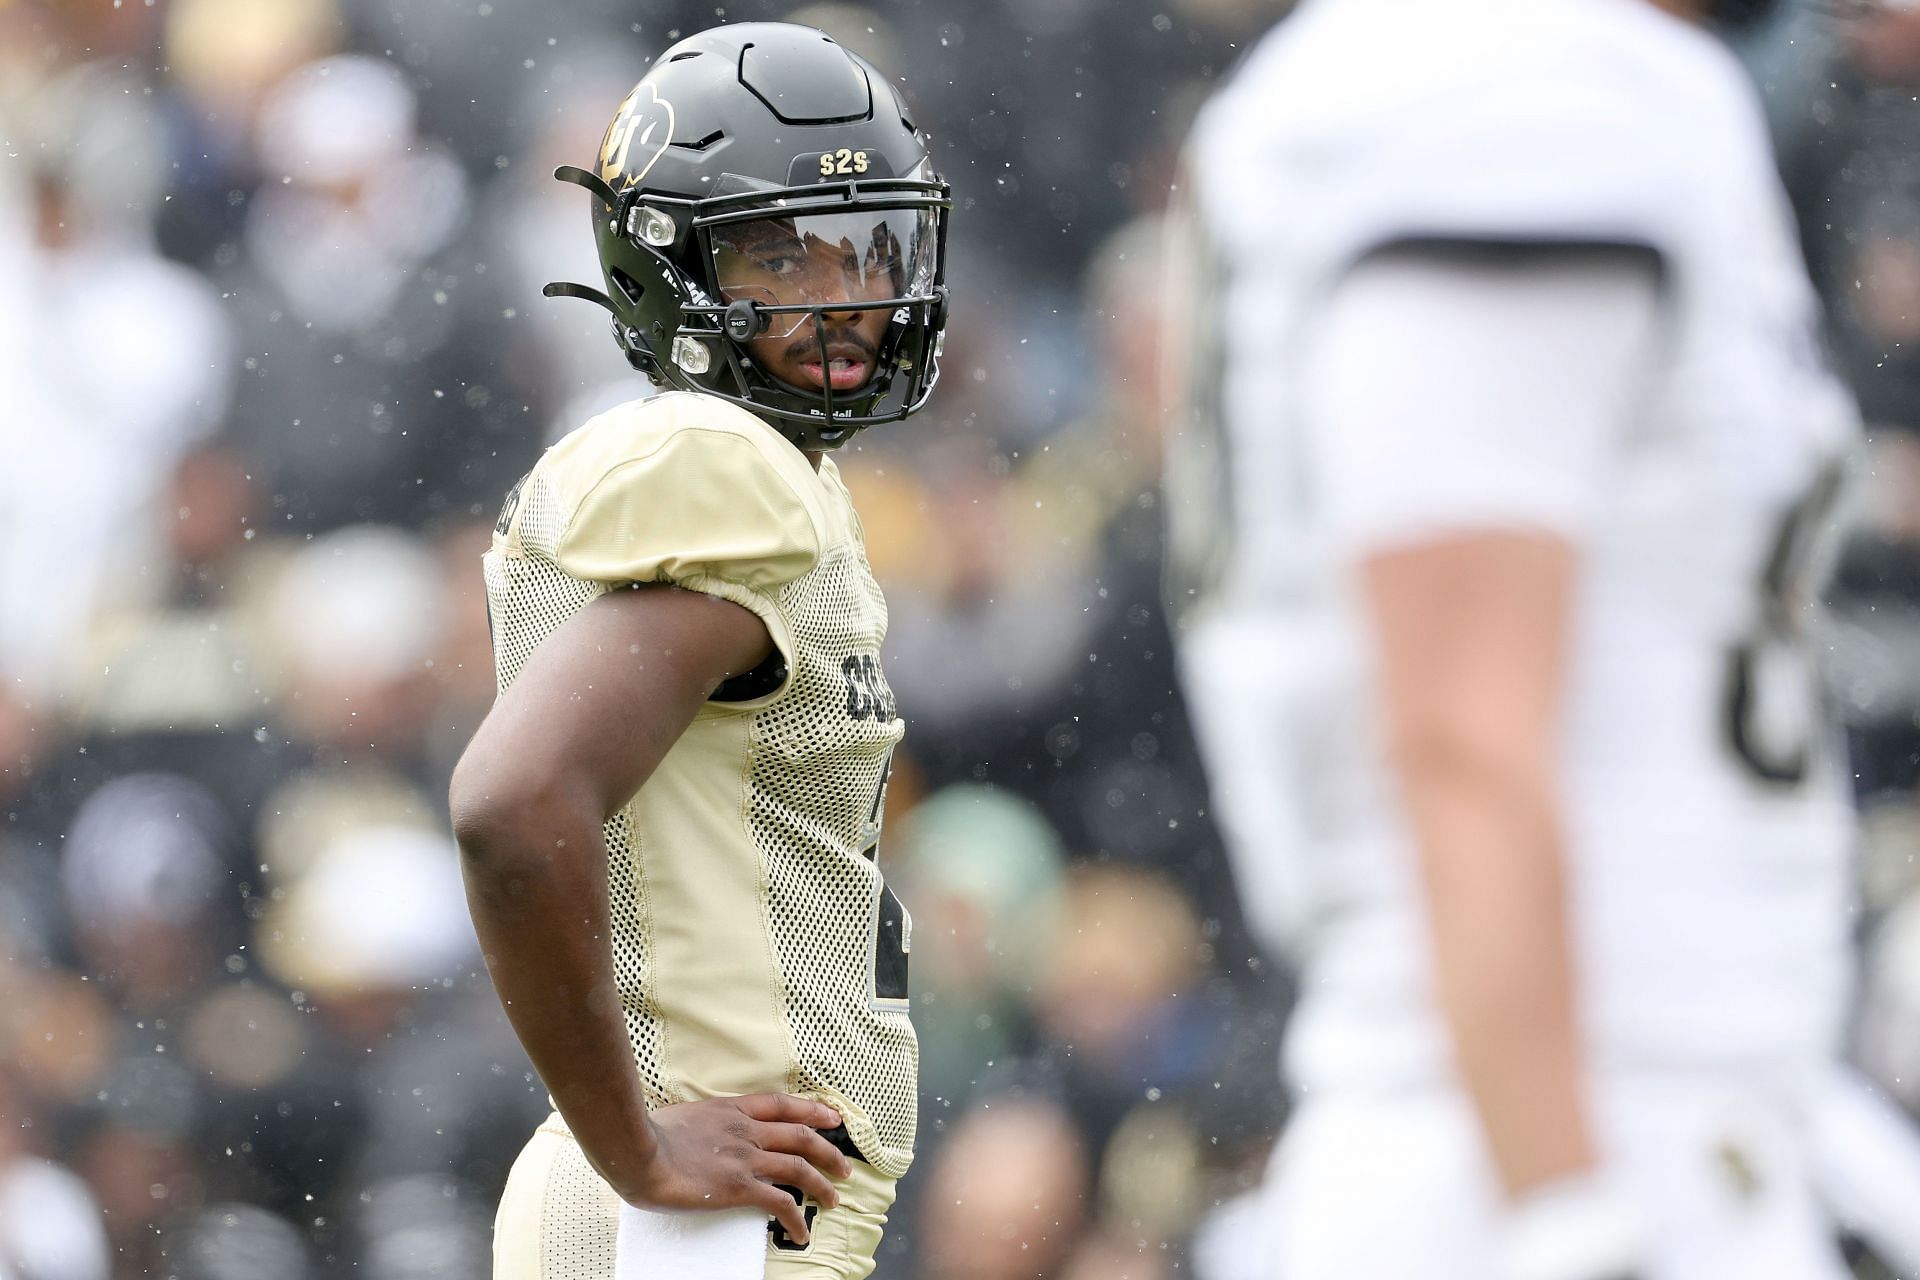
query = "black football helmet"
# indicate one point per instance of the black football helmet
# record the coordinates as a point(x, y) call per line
point(746, 157)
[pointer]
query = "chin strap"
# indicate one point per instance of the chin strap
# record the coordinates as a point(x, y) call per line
point(584, 292)
point(590, 180)
point(620, 202)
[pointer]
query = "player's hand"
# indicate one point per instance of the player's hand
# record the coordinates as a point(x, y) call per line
point(1581, 1226)
point(732, 1153)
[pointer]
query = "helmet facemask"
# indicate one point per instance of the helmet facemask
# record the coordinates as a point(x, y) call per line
point(804, 279)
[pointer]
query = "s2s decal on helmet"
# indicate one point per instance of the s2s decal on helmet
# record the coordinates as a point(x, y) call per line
point(645, 122)
point(844, 160)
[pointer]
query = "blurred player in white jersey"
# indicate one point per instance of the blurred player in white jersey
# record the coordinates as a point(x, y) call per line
point(1495, 530)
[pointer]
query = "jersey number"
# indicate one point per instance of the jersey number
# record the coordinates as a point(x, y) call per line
point(893, 927)
point(867, 695)
point(1768, 667)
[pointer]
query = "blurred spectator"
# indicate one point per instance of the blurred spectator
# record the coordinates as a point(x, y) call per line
point(49, 1222)
point(137, 1154)
point(1006, 1198)
point(30, 918)
point(1107, 1257)
point(982, 871)
point(1875, 625)
point(975, 590)
point(423, 1227)
point(361, 297)
point(1844, 115)
point(355, 617)
point(1886, 42)
point(1119, 1011)
point(374, 938)
point(113, 360)
point(146, 865)
point(235, 1242)
point(177, 645)
point(222, 57)
point(146, 878)
point(374, 918)
point(1126, 779)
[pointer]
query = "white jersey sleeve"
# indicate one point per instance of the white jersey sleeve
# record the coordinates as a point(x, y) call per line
point(1475, 394)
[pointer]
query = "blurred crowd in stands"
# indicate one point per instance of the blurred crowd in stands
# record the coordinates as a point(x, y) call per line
point(272, 350)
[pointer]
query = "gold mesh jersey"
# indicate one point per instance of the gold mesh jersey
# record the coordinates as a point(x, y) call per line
point(755, 944)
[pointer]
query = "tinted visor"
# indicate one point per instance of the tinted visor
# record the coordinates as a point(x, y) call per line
point(824, 260)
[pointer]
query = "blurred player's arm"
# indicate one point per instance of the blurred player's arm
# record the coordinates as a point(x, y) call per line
point(1471, 634)
point(1470, 401)
point(597, 707)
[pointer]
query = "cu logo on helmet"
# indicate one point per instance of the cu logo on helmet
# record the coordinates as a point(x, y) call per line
point(641, 131)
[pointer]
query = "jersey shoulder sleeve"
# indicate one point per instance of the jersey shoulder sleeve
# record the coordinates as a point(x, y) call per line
point(684, 489)
point(1563, 123)
point(1508, 394)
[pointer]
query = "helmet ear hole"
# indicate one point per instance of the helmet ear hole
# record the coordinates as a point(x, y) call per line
point(630, 289)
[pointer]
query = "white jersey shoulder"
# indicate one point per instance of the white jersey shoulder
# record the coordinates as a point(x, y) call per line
point(1573, 119)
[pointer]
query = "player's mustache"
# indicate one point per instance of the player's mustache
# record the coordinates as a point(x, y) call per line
point(839, 336)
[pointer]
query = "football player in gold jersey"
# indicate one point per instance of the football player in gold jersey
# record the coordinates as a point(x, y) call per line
point(669, 819)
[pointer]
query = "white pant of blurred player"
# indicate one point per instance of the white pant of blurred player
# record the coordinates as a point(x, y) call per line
point(1399, 1185)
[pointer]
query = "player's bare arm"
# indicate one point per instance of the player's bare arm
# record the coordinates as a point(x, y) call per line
point(596, 708)
point(1470, 625)
point(1471, 633)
